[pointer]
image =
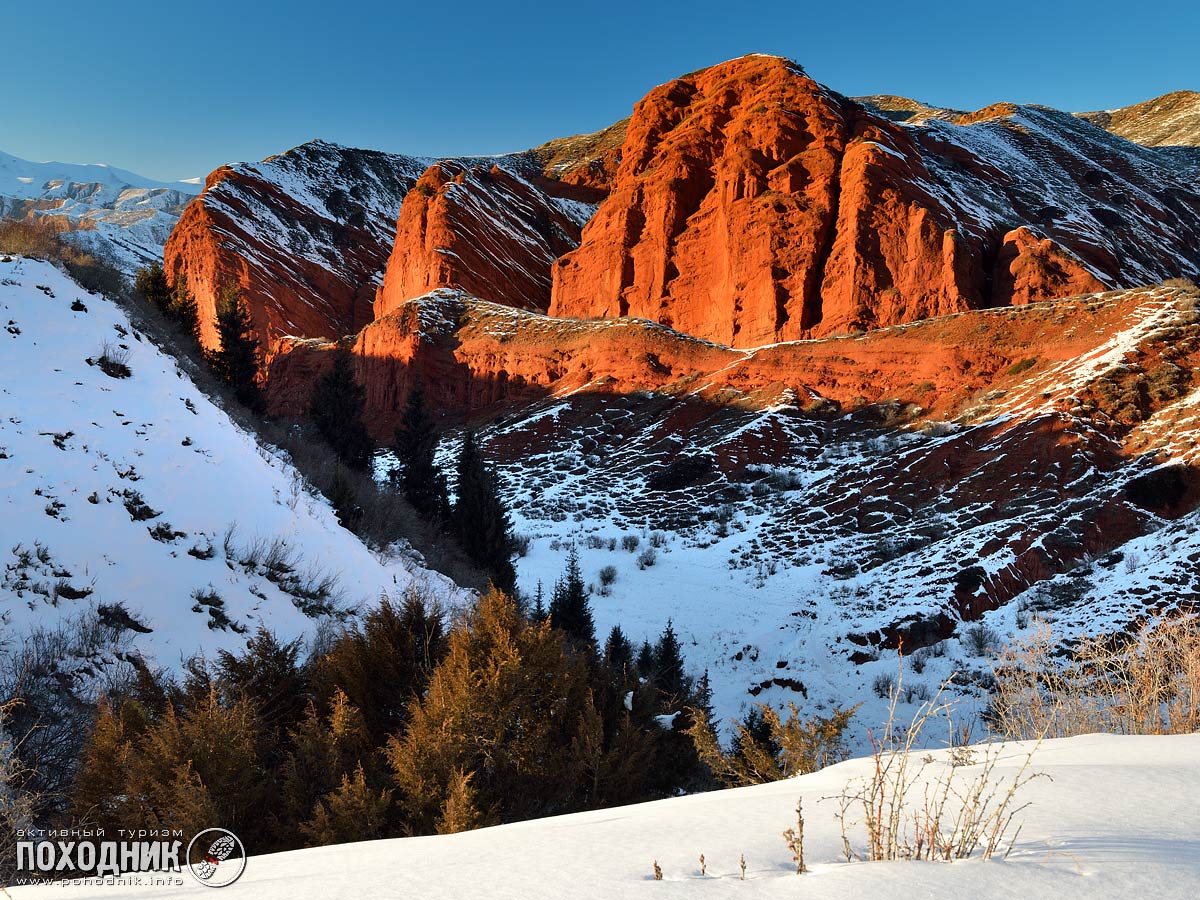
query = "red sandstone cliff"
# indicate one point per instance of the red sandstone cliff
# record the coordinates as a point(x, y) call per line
point(753, 205)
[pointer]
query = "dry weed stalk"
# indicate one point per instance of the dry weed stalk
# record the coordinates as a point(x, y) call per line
point(795, 839)
point(1145, 683)
point(657, 871)
point(742, 865)
point(703, 868)
point(958, 812)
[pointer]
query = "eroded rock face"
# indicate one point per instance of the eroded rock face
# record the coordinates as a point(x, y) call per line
point(482, 228)
point(304, 236)
point(753, 205)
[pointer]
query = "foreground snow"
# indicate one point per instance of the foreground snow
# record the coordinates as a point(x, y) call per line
point(81, 452)
point(1116, 817)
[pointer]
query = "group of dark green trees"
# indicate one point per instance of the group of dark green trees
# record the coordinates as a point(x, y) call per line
point(237, 357)
point(477, 518)
point(403, 724)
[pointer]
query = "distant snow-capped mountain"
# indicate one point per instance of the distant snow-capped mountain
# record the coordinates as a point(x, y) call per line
point(109, 211)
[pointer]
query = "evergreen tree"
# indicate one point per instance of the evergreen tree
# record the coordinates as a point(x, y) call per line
point(480, 520)
point(268, 674)
point(384, 663)
point(416, 442)
point(645, 660)
point(669, 676)
point(354, 811)
point(237, 359)
point(337, 410)
point(539, 605)
point(569, 608)
point(181, 308)
point(504, 709)
point(618, 653)
point(151, 285)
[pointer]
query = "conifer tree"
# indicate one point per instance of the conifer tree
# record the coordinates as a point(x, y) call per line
point(669, 676)
point(182, 309)
point(503, 708)
point(459, 811)
point(569, 608)
point(645, 660)
point(423, 484)
point(354, 811)
point(238, 357)
point(151, 285)
point(384, 663)
point(618, 653)
point(480, 519)
point(337, 412)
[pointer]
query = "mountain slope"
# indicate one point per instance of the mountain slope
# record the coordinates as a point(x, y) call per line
point(1144, 844)
point(119, 215)
point(138, 495)
point(1171, 120)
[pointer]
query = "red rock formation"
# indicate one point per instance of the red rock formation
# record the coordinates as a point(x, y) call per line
point(1029, 269)
point(475, 356)
point(753, 205)
point(481, 228)
point(304, 236)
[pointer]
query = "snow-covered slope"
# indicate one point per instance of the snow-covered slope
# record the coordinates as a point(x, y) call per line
point(1113, 817)
point(138, 492)
point(123, 216)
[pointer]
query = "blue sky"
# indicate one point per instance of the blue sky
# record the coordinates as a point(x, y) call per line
point(173, 89)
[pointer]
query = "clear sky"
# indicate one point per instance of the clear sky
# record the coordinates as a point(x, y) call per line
point(172, 89)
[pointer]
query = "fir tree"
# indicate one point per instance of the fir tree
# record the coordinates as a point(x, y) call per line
point(480, 520)
point(337, 410)
point(569, 608)
point(151, 285)
point(181, 308)
point(238, 357)
point(503, 707)
point(645, 660)
point(423, 484)
point(618, 653)
point(669, 676)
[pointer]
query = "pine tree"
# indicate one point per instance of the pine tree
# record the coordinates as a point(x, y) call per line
point(569, 608)
point(353, 811)
point(416, 443)
point(505, 705)
point(151, 285)
point(337, 412)
point(181, 308)
point(238, 357)
point(480, 519)
point(459, 812)
point(669, 676)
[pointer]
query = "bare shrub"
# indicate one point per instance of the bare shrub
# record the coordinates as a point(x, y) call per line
point(608, 575)
point(647, 558)
point(981, 640)
point(883, 685)
point(630, 542)
point(1144, 683)
point(913, 806)
point(114, 360)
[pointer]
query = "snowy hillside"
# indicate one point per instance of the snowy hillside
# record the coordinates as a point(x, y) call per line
point(1142, 841)
point(138, 496)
